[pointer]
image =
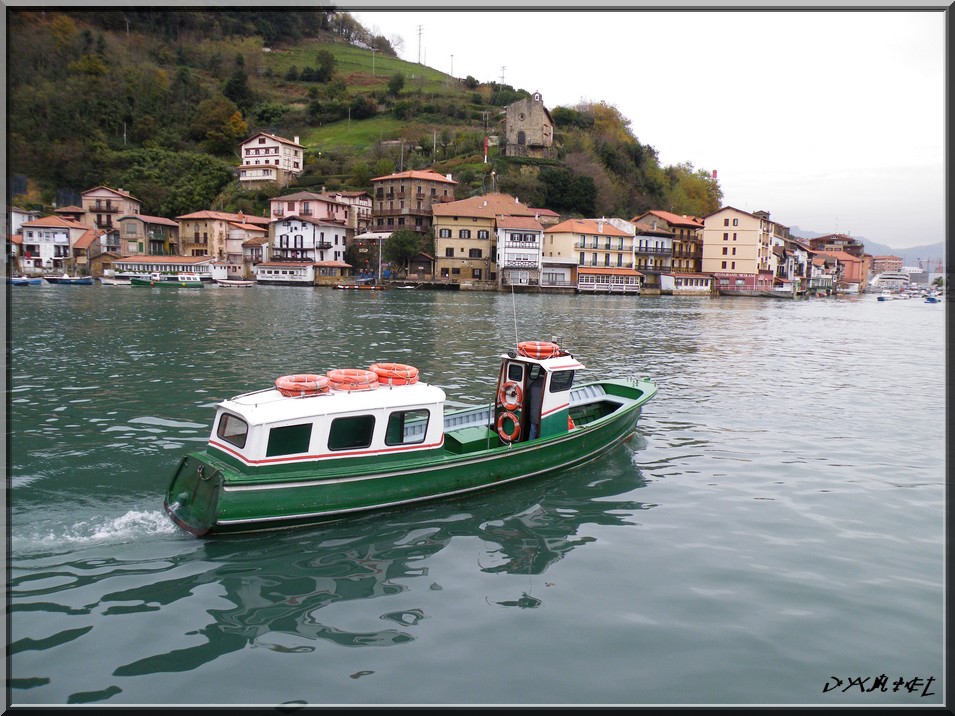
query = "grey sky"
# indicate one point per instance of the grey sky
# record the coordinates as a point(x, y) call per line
point(831, 121)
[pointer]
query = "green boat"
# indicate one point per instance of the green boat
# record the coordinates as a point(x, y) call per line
point(168, 280)
point(320, 447)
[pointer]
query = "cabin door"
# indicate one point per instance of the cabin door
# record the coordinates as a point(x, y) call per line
point(510, 403)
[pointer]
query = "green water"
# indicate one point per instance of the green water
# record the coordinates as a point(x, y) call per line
point(776, 525)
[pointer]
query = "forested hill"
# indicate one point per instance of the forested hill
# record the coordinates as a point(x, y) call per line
point(157, 102)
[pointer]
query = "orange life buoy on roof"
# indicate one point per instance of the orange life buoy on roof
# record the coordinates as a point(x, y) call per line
point(352, 379)
point(538, 349)
point(395, 373)
point(510, 396)
point(508, 437)
point(302, 384)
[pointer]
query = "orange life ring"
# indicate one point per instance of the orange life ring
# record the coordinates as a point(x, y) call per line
point(395, 373)
point(538, 349)
point(570, 423)
point(511, 389)
point(296, 386)
point(504, 435)
point(352, 379)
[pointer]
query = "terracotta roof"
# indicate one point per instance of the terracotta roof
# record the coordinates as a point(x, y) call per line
point(302, 196)
point(248, 227)
point(608, 271)
point(427, 175)
point(256, 241)
point(87, 239)
point(671, 218)
point(55, 221)
point(277, 138)
point(109, 188)
point(642, 228)
point(486, 206)
point(150, 219)
point(309, 220)
point(586, 226)
point(729, 208)
point(70, 210)
point(841, 255)
point(15, 239)
point(519, 222)
point(546, 212)
point(225, 216)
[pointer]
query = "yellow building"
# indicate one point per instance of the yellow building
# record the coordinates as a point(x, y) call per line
point(737, 249)
point(465, 235)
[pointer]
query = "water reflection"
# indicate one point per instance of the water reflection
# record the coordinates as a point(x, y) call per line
point(277, 585)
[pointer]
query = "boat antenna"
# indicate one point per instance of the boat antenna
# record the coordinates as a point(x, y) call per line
point(514, 308)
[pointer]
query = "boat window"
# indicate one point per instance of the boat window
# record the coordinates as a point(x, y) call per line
point(561, 380)
point(289, 439)
point(407, 427)
point(515, 372)
point(352, 432)
point(232, 429)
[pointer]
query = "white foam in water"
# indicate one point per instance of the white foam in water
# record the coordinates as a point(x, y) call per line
point(134, 525)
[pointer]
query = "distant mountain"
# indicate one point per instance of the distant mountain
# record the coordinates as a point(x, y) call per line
point(929, 254)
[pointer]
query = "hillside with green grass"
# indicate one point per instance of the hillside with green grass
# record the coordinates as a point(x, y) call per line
point(157, 102)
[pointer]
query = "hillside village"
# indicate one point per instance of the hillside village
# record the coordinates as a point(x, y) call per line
point(488, 241)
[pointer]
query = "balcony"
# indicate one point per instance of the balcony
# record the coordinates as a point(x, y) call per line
point(647, 251)
point(323, 245)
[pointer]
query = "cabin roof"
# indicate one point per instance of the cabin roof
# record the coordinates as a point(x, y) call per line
point(270, 406)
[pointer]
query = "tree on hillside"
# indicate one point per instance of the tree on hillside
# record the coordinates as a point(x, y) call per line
point(567, 193)
point(237, 88)
point(326, 66)
point(396, 83)
point(218, 126)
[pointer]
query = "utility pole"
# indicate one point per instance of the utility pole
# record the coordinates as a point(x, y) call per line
point(502, 73)
point(452, 66)
point(419, 43)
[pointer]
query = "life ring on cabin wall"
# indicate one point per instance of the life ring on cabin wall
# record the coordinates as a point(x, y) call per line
point(352, 379)
point(510, 396)
point(302, 384)
point(538, 349)
point(395, 373)
point(508, 437)
point(570, 423)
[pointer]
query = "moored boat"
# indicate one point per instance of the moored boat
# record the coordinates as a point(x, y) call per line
point(66, 280)
point(24, 280)
point(168, 280)
point(320, 447)
point(235, 283)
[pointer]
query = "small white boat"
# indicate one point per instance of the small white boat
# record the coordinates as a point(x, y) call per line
point(234, 283)
point(114, 281)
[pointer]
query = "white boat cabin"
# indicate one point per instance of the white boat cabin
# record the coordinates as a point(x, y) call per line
point(266, 427)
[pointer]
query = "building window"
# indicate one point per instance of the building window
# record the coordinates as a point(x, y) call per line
point(725, 250)
point(464, 234)
point(483, 233)
point(726, 236)
point(735, 222)
point(726, 222)
point(474, 254)
point(445, 233)
point(723, 264)
point(449, 253)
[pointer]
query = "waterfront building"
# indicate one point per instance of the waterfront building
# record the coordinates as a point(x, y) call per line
point(604, 254)
point(269, 159)
point(142, 235)
point(48, 244)
point(307, 239)
point(406, 200)
point(652, 253)
point(847, 271)
point(242, 239)
point(687, 254)
point(519, 240)
point(737, 249)
point(204, 233)
point(466, 235)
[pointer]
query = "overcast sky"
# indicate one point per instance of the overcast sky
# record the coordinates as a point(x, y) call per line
point(830, 121)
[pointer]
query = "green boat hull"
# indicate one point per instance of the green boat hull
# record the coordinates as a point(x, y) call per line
point(151, 283)
point(212, 492)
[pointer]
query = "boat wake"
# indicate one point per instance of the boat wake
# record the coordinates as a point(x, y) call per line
point(129, 527)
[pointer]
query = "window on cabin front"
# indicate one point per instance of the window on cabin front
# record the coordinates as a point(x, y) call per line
point(561, 380)
point(407, 427)
point(351, 433)
point(232, 429)
point(289, 440)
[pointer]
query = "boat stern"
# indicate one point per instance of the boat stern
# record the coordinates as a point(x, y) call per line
point(192, 497)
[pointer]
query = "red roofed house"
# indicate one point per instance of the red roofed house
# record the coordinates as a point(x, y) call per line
point(103, 204)
point(849, 271)
point(142, 235)
point(48, 244)
point(268, 159)
point(204, 233)
point(466, 235)
point(405, 200)
point(604, 254)
point(687, 232)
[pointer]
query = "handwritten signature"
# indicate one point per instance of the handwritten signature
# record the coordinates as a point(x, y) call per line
point(867, 684)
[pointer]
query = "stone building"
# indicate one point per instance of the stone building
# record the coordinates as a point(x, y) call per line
point(529, 129)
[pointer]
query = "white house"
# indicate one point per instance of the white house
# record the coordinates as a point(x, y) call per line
point(48, 244)
point(297, 238)
point(268, 159)
point(519, 241)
